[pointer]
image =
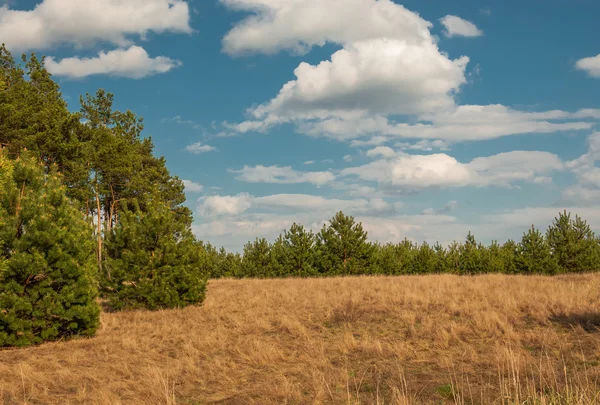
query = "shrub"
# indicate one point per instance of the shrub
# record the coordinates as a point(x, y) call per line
point(153, 260)
point(47, 267)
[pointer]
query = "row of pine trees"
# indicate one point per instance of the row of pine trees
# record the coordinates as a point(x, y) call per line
point(90, 217)
point(342, 248)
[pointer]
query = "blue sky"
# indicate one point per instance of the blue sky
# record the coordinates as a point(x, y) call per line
point(422, 119)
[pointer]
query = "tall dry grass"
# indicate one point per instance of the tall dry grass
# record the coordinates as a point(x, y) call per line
point(386, 340)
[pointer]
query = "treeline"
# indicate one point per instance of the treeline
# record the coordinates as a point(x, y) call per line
point(341, 248)
point(87, 213)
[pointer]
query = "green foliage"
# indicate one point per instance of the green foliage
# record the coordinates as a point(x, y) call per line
point(153, 260)
point(47, 270)
point(573, 244)
point(257, 259)
point(297, 252)
point(342, 247)
point(534, 255)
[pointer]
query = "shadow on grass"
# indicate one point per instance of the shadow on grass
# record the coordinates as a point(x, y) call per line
point(589, 321)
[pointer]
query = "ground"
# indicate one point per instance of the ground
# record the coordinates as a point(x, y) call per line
point(358, 340)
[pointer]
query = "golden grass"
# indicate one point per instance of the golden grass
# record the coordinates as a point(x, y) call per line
point(363, 340)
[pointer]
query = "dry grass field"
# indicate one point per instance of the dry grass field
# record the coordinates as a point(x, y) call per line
point(384, 340)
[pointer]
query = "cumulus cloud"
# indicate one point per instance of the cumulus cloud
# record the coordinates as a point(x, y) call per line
point(389, 66)
point(384, 151)
point(226, 205)
point(377, 76)
point(281, 175)
point(440, 170)
point(133, 62)
point(389, 62)
point(192, 187)
point(85, 22)
point(198, 148)
point(590, 65)
point(586, 190)
point(300, 25)
point(456, 26)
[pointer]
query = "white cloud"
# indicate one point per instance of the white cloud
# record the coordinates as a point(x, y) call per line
point(389, 66)
point(383, 76)
point(424, 145)
point(226, 205)
point(192, 187)
point(441, 170)
point(384, 151)
point(133, 62)
point(590, 65)
point(298, 25)
point(309, 162)
point(199, 147)
point(587, 188)
point(281, 175)
point(462, 123)
point(347, 158)
point(85, 22)
point(456, 26)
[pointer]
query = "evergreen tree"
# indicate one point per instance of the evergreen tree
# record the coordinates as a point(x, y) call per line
point(573, 244)
point(153, 260)
point(47, 271)
point(425, 259)
point(493, 259)
point(509, 253)
point(343, 247)
point(229, 264)
point(534, 255)
point(298, 257)
point(471, 257)
point(256, 260)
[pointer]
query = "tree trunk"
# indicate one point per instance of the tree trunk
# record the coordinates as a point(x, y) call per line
point(99, 235)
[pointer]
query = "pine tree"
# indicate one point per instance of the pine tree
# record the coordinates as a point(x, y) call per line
point(47, 271)
point(256, 260)
point(471, 256)
point(509, 253)
point(425, 259)
point(534, 255)
point(343, 248)
point(153, 260)
point(573, 244)
point(298, 256)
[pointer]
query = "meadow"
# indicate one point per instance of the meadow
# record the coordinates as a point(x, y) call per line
point(435, 339)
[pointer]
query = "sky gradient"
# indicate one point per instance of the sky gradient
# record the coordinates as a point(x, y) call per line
point(424, 120)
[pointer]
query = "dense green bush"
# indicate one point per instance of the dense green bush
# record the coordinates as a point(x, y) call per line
point(153, 260)
point(47, 268)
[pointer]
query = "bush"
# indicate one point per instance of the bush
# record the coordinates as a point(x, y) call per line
point(47, 267)
point(153, 260)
